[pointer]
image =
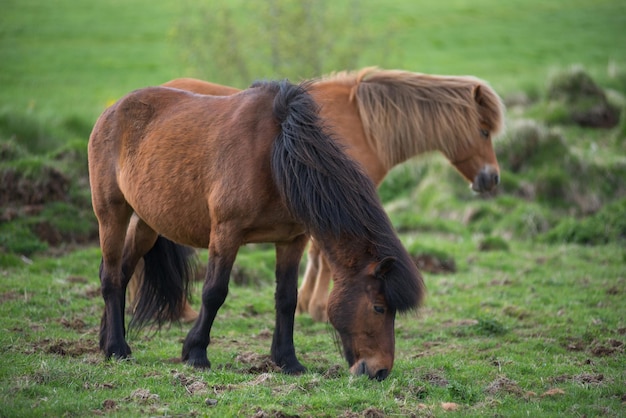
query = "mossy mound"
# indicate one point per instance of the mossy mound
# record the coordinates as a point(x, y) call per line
point(608, 225)
point(574, 97)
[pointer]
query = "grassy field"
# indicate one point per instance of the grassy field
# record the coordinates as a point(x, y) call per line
point(527, 319)
point(535, 330)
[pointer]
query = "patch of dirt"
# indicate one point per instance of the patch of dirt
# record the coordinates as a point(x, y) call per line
point(75, 324)
point(368, 413)
point(373, 413)
point(584, 378)
point(96, 386)
point(333, 372)
point(553, 392)
point(574, 344)
point(257, 363)
point(606, 348)
point(433, 264)
point(434, 377)
point(109, 405)
point(143, 397)
point(272, 414)
point(349, 414)
point(450, 406)
point(264, 334)
point(614, 290)
point(192, 385)
point(504, 385)
point(62, 347)
point(7, 296)
point(217, 389)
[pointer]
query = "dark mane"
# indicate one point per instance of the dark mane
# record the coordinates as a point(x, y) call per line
point(329, 193)
point(400, 293)
point(321, 186)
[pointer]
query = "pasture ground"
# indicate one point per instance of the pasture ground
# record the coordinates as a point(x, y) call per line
point(534, 330)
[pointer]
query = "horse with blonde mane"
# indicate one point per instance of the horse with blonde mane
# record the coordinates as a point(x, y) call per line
point(385, 117)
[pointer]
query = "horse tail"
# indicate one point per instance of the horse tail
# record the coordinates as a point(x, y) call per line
point(320, 185)
point(168, 269)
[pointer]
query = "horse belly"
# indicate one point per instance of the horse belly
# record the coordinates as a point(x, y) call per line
point(171, 210)
point(280, 232)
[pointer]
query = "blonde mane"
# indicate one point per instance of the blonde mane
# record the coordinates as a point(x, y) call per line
point(405, 113)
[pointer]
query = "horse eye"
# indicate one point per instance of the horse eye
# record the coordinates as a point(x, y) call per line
point(379, 309)
point(485, 133)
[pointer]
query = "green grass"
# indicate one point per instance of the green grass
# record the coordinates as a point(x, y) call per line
point(495, 337)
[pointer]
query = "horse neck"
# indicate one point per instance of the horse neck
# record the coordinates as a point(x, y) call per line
point(401, 130)
point(339, 110)
point(346, 255)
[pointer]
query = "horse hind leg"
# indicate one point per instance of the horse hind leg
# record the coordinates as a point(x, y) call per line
point(113, 220)
point(139, 239)
point(307, 288)
point(223, 247)
point(319, 299)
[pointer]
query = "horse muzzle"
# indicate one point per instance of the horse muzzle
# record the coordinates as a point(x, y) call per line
point(361, 368)
point(486, 180)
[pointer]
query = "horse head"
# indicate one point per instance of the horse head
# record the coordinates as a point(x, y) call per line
point(362, 309)
point(475, 157)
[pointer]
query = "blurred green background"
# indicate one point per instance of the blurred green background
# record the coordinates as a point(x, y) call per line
point(63, 62)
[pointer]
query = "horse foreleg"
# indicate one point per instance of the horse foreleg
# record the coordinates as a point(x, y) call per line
point(288, 257)
point(319, 298)
point(310, 276)
point(214, 291)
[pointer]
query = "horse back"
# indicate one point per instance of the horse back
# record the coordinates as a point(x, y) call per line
point(175, 155)
point(201, 87)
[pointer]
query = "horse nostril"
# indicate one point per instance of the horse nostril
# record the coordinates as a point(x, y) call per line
point(381, 374)
point(496, 179)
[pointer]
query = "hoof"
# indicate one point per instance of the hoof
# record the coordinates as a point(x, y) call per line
point(294, 370)
point(204, 364)
point(118, 353)
point(196, 358)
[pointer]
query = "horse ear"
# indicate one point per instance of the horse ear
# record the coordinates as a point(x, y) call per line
point(478, 94)
point(384, 266)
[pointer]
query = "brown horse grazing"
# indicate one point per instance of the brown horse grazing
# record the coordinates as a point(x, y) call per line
point(220, 172)
point(385, 117)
